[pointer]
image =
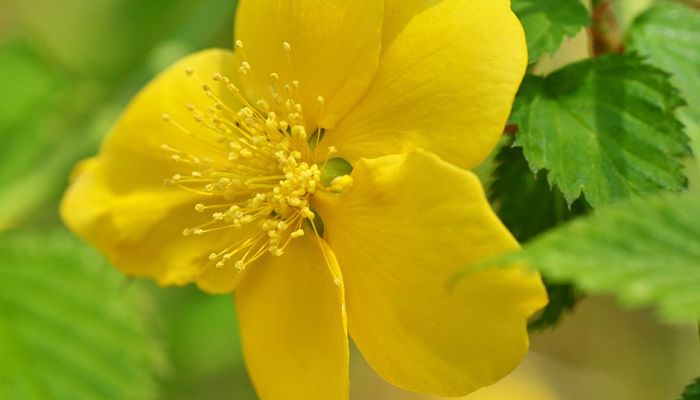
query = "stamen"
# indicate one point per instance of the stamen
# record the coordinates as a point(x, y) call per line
point(260, 173)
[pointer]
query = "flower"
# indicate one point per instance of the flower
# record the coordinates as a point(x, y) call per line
point(321, 165)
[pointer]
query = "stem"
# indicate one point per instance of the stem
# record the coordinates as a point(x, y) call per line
point(605, 30)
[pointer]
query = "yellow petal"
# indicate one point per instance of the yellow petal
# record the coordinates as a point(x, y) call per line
point(140, 231)
point(132, 153)
point(407, 226)
point(446, 82)
point(333, 49)
point(118, 201)
point(292, 321)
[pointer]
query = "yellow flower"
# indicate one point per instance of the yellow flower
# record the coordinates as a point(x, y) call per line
point(319, 170)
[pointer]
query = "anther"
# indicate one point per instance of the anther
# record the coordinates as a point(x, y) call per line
point(244, 68)
point(341, 184)
point(296, 234)
point(263, 105)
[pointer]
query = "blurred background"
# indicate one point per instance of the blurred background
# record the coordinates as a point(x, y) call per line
point(71, 327)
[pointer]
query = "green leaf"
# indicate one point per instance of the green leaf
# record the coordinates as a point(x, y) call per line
point(645, 251)
point(548, 22)
point(528, 206)
point(692, 392)
point(669, 35)
point(70, 326)
point(604, 127)
point(525, 201)
point(562, 300)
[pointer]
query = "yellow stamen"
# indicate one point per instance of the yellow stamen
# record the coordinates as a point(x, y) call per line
point(260, 174)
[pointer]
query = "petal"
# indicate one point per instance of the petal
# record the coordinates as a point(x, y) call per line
point(328, 57)
point(445, 82)
point(407, 226)
point(118, 202)
point(292, 321)
point(140, 231)
point(132, 153)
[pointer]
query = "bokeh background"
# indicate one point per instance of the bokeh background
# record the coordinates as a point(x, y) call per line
point(71, 327)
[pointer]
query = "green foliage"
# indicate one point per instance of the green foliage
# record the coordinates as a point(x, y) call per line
point(203, 346)
point(548, 22)
point(528, 206)
point(31, 129)
point(70, 326)
point(31, 90)
point(90, 37)
point(68, 69)
point(692, 392)
point(525, 201)
point(645, 251)
point(603, 127)
point(669, 35)
point(562, 300)
point(69, 74)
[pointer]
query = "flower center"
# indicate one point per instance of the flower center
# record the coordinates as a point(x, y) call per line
point(263, 185)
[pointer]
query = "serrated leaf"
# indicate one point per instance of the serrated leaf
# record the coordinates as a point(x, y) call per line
point(604, 127)
point(548, 22)
point(70, 327)
point(692, 392)
point(525, 201)
point(645, 251)
point(669, 35)
point(528, 206)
